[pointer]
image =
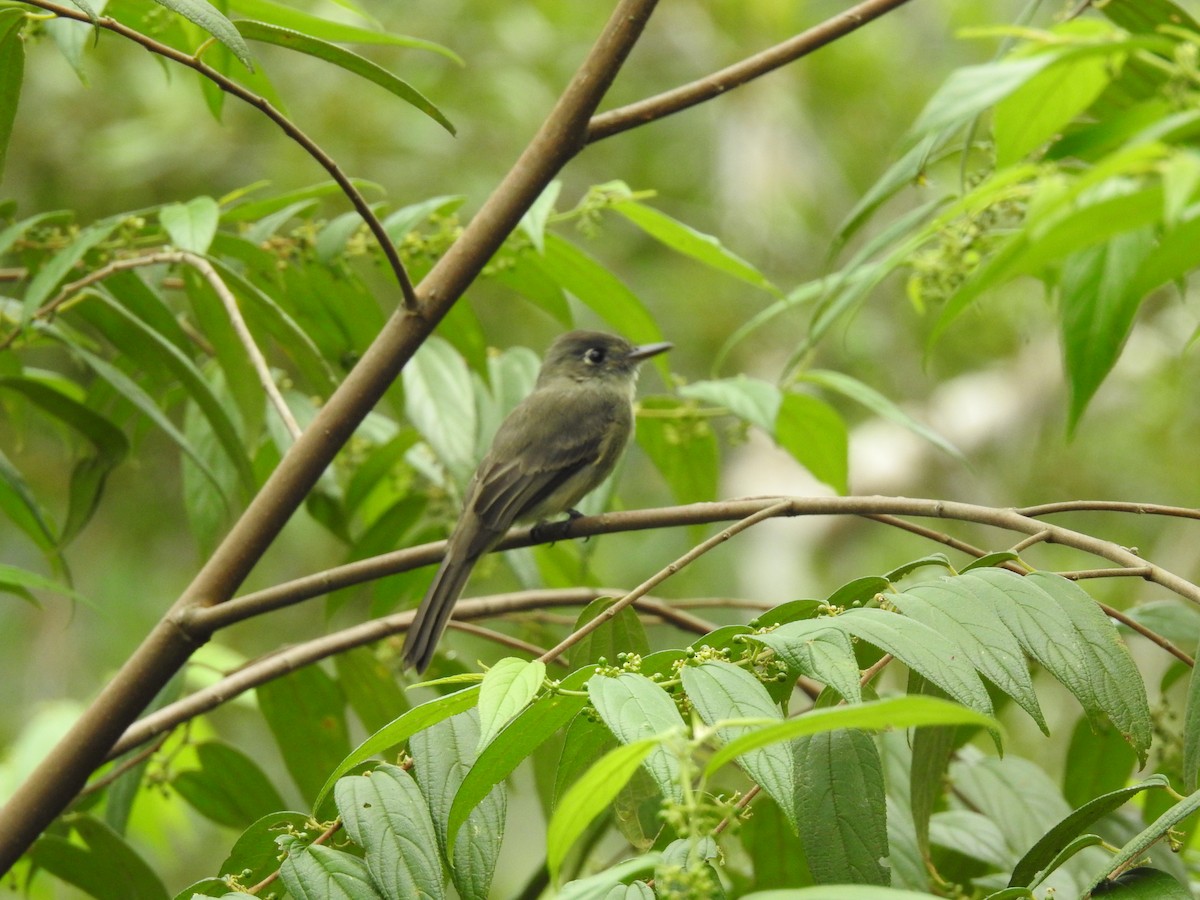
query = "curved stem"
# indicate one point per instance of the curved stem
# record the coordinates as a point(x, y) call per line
point(293, 131)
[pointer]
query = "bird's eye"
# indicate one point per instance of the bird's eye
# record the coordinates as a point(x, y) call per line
point(594, 355)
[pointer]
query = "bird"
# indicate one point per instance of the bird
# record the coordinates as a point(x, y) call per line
point(554, 448)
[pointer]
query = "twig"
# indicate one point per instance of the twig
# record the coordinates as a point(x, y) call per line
point(1146, 509)
point(1030, 541)
point(229, 86)
point(662, 105)
point(505, 640)
point(869, 675)
point(1153, 636)
point(663, 574)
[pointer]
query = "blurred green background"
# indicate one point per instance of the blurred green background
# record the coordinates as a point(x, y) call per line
point(771, 168)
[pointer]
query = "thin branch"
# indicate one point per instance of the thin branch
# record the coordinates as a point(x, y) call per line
point(504, 640)
point(280, 663)
point(1145, 509)
point(231, 87)
point(1030, 541)
point(663, 574)
point(1153, 636)
point(672, 615)
point(869, 675)
point(662, 105)
point(1118, 572)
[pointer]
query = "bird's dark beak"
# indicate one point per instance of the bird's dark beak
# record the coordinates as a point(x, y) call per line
point(637, 354)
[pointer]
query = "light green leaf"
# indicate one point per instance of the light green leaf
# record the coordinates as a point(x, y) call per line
point(634, 707)
point(229, 787)
point(384, 813)
point(750, 399)
point(813, 432)
point(533, 223)
point(345, 59)
point(399, 730)
point(1136, 848)
point(54, 270)
point(343, 33)
point(684, 449)
point(209, 18)
point(21, 581)
point(815, 648)
point(721, 691)
point(507, 688)
point(317, 872)
point(440, 402)
point(972, 89)
point(851, 387)
point(102, 864)
point(590, 796)
point(191, 225)
point(307, 716)
point(896, 712)
point(703, 248)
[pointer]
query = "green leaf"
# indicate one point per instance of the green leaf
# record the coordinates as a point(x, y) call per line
point(191, 225)
point(838, 892)
point(597, 288)
point(512, 746)
point(345, 59)
point(1146, 883)
point(605, 885)
point(289, 17)
point(443, 755)
point(399, 730)
point(1033, 866)
point(306, 713)
point(634, 707)
point(255, 855)
point(384, 813)
point(1098, 760)
point(877, 403)
point(440, 402)
point(720, 691)
point(586, 740)
point(59, 266)
point(109, 447)
point(370, 687)
point(896, 712)
point(777, 853)
point(591, 796)
point(12, 73)
point(507, 689)
point(842, 810)
point(922, 649)
point(683, 448)
point(1039, 109)
point(1191, 733)
point(1062, 627)
point(209, 18)
point(1158, 830)
point(813, 432)
point(977, 629)
point(103, 865)
point(816, 648)
point(750, 399)
point(21, 581)
point(624, 633)
point(533, 223)
point(703, 248)
point(1099, 299)
point(317, 872)
point(972, 89)
point(229, 788)
point(21, 507)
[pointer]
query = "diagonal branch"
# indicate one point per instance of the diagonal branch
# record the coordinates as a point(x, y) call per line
point(290, 128)
point(665, 104)
point(64, 770)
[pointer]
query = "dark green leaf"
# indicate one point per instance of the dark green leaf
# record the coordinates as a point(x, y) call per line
point(229, 788)
point(624, 633)
point(1144, 883)
point(103, 864)
point(586, 741)
point(23, 509)
point(1191, 734)
point(1040, 855)
point(816, 648)
point(778, 855)
point(58, 267)
point(842, 813)
point(345, 59)
point(370, 687)
point(307, 715)
point(1158, 830)
point(12, 73)
point(255, 854)
point(385, 814)
point(1098, 761)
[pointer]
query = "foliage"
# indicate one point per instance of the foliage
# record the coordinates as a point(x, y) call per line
point(776, 757)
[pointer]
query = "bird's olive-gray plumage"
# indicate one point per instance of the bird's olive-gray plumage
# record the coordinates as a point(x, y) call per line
point(555, 447)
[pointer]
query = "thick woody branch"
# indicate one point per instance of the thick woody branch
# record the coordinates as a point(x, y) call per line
point(52, 785)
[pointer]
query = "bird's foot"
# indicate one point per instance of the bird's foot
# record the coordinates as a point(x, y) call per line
point(554, 531)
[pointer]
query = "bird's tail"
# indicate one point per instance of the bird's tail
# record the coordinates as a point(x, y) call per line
point(434, 611)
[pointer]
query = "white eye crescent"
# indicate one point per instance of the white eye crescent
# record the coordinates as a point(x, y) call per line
point(594, 355)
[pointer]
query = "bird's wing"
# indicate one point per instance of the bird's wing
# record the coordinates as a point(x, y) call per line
point(535, 453)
